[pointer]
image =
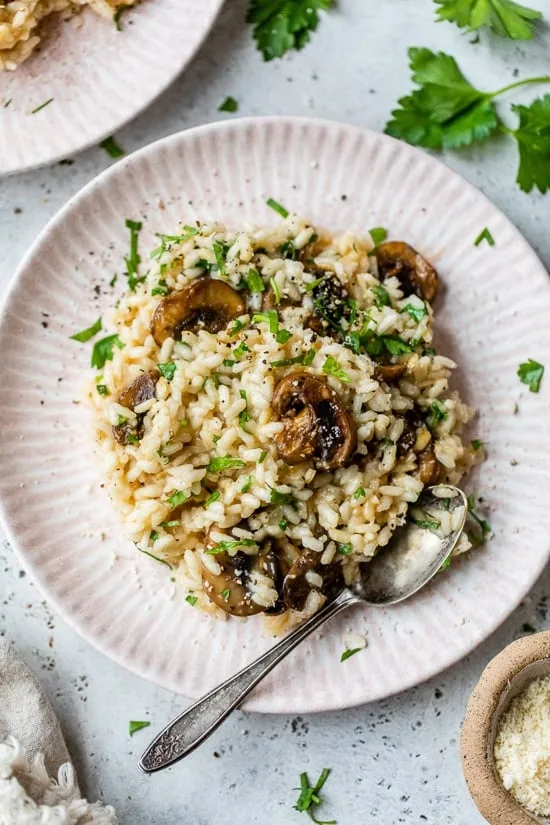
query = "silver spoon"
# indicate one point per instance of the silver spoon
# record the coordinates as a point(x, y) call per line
point(414, 555)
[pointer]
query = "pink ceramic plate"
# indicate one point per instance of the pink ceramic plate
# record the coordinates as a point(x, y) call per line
point(97, 78)
point(493, 315)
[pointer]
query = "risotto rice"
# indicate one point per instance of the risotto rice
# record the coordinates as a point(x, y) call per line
point(21, 21)
point(268, 407)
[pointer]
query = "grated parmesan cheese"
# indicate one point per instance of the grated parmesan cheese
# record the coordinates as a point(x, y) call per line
point(522, 747)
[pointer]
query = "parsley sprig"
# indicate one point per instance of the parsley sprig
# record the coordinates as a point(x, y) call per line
point(504, 17)
point(530, 373)
point(447, 112)
point(282, 25)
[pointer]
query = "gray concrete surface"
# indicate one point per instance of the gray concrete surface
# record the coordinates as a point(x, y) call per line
point(394, 761)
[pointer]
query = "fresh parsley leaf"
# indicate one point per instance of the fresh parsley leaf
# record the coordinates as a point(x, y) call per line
point(161, 288)
point(280, 499)
point(533, 137)
point(275, 205)
point(309, 796)
point(305, 359)
point(133, 727)
point(530, 373)
point(378, 235)
point(504, 17)
point(416, 312)
point(229, 105)
point(192, 600)
point(42, 106)
point(263, 456)
point(247, 486)
point(476, 444)
point(223, 546)
point(255, 281)
point(103, 350)
point(348, 653)
point(276, 291)
point(111, 147)
point(332, 367)
point(86, 334)
point(395, 346)
point(359, 493)
point(224, 462)
point(438, 413)
point(446, 111)
point(282, 25)
point(484, 235)
point(212, 498)
point(381, 296)
point(167, 370)
point(221, 253)
point(177, 498)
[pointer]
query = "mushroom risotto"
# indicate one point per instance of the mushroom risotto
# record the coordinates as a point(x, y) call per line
point(21, 21)
point(269, 405)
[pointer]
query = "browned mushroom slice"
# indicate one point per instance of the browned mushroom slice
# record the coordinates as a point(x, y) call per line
point(389, 372)
point(140, 390)
point(317, 425)
point(429, 468)
point(230, 589)
point(413, 271)
point(297, 585)
point(413, 422)
point(204, 304)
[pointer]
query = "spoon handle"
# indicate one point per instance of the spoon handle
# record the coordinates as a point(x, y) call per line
point(202, 718)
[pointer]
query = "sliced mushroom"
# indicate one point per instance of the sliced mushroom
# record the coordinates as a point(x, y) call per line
point(330, 304)
point(389, 372)
point(140, 390)
point(317, 425)
point(204, 304)
point(297, 585)
point(429, 468)
point(413, 271)
point(413, 422)
point(230, 589)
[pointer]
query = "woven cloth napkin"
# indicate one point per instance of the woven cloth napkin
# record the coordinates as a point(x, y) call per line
point(38, 784)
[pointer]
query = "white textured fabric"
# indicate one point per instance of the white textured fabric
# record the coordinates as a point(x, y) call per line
point(32, 752)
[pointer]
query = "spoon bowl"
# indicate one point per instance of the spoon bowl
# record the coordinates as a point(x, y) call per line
point(415, 553)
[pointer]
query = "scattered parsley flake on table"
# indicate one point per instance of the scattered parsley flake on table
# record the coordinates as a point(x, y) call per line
point(282, 25)
point(530, 373)
point(347, 654)
point(484, 235)
point(229, 105)
point(42, 106)
point(309, 796)
point(504, 17)
point(111, 147)
point(133, 727)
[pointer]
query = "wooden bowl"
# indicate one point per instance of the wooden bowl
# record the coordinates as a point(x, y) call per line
point(505, 676)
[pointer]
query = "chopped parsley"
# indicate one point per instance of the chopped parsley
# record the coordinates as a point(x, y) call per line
point(247, 486)
point(378, 234)
point(255, 281)
point(396, 346)
point(381, 296)
point(167, 240)
point(220, 252)
point(426, 524)
point(447, 563)
point(229, 105)
point(288, 250)
point(416, 312)
point(309, 287)
point(236, 328)
point(283, 524)
point(262, 458)
point(476, 444)
point(273, 204)
point(133, 259)
point(484, 235)
point(102, 389)
point(332, 367)
point(271, 318)
point(347, 654)
point(375, 345)
point(483, 526)
point(344, 549)
point(168, 525)
point(226, 594)
point(309, 797)
point(359, 493)
point(224, 462)
point(240, 351)
point(438, 413)
point(42, 106)
point(530, 373)
point(133, 727)
point(177, 498)
point(227, 362)
point(305, 359)
point(113, 280)
point(161, 288)
point(244, 415)
point(280, 499)
point(155, 558)
point(88, 333)
point(167, 370)
point(153, 536)
point(111, 147)
point(276, 291)
point(192, 600)
point(223, 546)
point(103, 350)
